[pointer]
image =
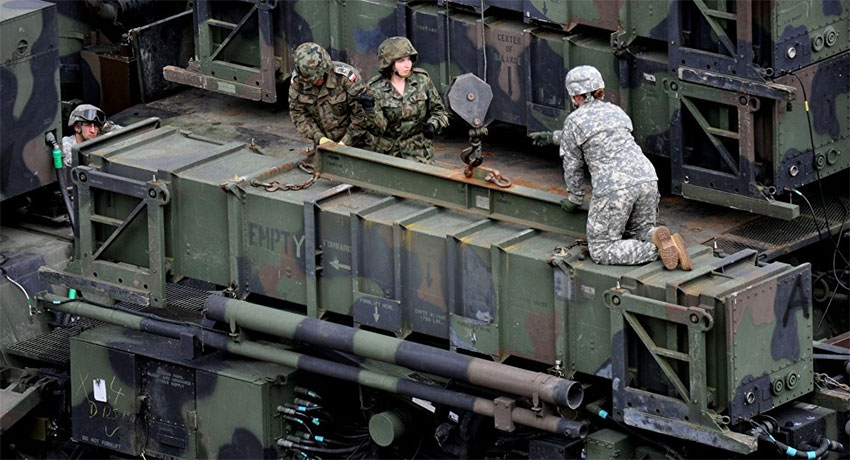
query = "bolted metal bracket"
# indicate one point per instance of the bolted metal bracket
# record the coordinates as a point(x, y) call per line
point(502, 409)
point(470, 98)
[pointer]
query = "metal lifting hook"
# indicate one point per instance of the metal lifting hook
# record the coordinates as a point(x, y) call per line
point(472, 155)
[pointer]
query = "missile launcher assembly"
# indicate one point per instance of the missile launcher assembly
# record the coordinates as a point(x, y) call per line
point(192, 288)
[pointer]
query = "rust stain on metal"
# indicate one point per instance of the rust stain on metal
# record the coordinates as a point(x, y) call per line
point(533, 184)
point(543, 328)
point(842, 340)
point(275, 170)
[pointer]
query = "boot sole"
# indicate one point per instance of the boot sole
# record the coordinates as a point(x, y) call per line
point(682, 251)
point(666, 248)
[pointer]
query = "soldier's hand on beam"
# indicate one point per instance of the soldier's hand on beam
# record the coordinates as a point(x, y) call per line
point(324, 140)
point(429, 131)
point(568, 205)
point(542, 138)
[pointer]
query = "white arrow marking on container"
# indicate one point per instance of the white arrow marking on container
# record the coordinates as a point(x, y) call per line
point(336, 264)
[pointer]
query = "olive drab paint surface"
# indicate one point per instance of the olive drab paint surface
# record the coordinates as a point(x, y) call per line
point(405, 289)
point(489, 286)
point(137, 395)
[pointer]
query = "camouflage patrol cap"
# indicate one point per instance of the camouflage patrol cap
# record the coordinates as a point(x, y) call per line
point(393, 49)
point(86, 113)
point(583, 79)
point(312, 61)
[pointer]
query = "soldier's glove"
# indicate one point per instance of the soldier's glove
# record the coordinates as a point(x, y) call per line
point(367, 101)
point(108, 127)
point(568, 205)
point(324, 140)
point(429, 131)
point(542, 138)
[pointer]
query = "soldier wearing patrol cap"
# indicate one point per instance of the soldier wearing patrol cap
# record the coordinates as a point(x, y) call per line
point(88, 122)
point(407, 110)
point(624, 185)
point(323, 97)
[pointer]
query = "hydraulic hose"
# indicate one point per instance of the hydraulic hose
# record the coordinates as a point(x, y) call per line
point(286, 444)
point(63, 181)
point(30, 309)
point(824, 445)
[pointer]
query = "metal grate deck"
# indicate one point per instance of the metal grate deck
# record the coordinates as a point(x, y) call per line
point(186, 297)
point(54, 347)
point(775, 237)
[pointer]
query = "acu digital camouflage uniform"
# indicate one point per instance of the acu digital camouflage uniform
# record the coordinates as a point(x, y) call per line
point(625, 195)
point(84, 113)
point(330, 109)
point(397, 122)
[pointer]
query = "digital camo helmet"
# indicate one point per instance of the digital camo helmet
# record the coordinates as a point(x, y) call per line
point(393, 49)
point(312, 61)
point(583, 79)
point(86, 113)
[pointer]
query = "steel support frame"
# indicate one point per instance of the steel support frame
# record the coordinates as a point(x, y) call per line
point(17, 396)
point(687, 416)
point(450, 189)
point(739, 58)
point(737, 189)
point(254, 83)
point(153, 196)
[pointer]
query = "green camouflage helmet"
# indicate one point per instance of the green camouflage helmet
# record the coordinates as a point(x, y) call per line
point(393, 49)
point(86, 113)
point(583, 79)
point(312, 61)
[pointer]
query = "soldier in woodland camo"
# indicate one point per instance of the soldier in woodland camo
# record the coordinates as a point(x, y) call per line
point(621, 222)
point(407, 110)
point(323, 97)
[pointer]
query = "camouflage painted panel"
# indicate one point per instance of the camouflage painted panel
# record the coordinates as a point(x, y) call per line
point(29, 95)
point(135, 392)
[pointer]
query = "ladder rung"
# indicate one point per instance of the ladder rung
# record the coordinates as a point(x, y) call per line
point(722, 15)
point(667, 353)
point(723, 133)
point(106, 220)
point(222, 24)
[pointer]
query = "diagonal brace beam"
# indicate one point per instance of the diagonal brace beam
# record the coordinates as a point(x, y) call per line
point(662, 362)
point(233, 32)
point(709, 131)
point(120, 229)
point(709, 15)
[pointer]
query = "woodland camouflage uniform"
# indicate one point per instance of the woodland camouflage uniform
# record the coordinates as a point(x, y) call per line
point(328, 110)
point(397, 122)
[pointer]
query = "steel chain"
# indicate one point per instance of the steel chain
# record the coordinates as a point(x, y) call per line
point(275, 186)
point(564, 250)
point(498, 179)
point(825, 381)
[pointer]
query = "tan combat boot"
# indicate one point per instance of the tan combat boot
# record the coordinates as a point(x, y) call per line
point(682, 251)
point(666, 247)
